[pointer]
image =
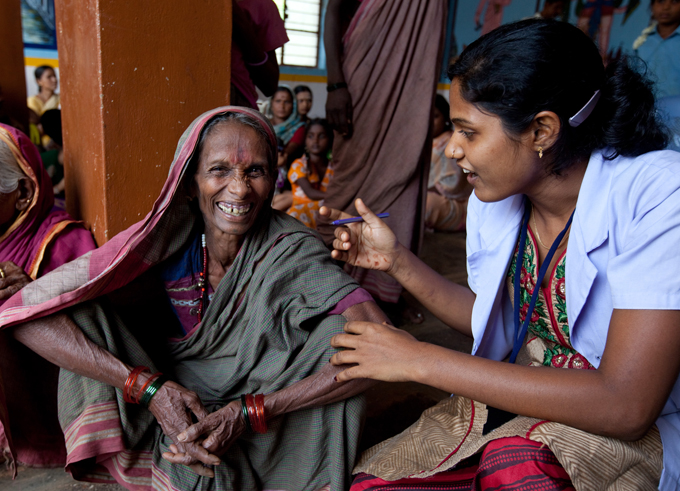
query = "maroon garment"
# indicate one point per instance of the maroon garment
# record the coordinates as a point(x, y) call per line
point(507, 463)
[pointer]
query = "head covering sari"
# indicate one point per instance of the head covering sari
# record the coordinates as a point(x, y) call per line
point(268, 326)
point(25, 241)
point(286, 129)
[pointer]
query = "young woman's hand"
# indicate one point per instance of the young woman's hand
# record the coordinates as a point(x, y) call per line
point(369, 244)
point(377, 351)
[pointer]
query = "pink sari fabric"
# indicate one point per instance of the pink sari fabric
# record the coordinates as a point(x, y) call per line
point(391, 66)
point(26, 241)
point(115, 264)
point(39, 241)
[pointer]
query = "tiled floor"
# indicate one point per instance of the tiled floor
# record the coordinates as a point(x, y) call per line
point(392, 407)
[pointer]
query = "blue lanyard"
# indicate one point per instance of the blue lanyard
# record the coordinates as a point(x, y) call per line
point(520, 333)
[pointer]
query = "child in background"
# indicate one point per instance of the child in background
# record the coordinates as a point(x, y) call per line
point(310, 175)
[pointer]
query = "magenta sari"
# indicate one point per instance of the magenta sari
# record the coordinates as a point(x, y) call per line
point(40, 240)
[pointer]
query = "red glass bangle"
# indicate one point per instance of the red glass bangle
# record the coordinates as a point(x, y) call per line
point(252, 416)
point(130, 382)
point(146, 385)
point(259, 406)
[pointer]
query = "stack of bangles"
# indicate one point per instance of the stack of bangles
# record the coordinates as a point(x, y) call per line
point(253, 412)
point(148, 390)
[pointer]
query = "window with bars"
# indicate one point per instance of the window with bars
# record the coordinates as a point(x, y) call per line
point(302, 19)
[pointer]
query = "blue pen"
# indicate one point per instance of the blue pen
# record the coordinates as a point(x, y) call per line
point(357, 219)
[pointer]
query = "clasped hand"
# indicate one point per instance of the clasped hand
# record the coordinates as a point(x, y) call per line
point(195, 445)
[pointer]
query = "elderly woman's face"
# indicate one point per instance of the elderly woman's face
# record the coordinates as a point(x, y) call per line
point(232, 181)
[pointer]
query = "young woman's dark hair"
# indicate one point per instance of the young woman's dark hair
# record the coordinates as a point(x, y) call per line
point(301, 88)
point(442, 105)
point(38, 73)
point(534, 65)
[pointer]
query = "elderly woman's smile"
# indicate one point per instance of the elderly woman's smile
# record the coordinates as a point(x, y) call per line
point(232, 181)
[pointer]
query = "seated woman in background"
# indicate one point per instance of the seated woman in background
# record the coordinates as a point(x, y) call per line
point(228, 298)
point(310, 175)
point(34, 240)
point(47, 97)
point(574, 298)
point(303, 98)
point(447, 190)
point(291, 131)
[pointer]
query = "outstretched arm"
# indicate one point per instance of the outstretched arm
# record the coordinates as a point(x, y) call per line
point(372, 245)
point(621, 399)
point(224, 426)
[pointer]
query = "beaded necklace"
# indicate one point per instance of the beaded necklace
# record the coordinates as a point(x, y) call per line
point(202, 279)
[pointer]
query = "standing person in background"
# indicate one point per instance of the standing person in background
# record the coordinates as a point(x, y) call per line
point(493, 15)
point(258, 31)
point(303, 97)
point(447, 190)
point(382, 77)
point(659, 45)
point(552, 9)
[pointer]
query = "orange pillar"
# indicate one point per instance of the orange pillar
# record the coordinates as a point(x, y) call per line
point(12, 75)
point(133, 77)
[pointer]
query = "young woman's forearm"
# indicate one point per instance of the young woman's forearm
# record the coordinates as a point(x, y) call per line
point(448, 301)
point(621, 399)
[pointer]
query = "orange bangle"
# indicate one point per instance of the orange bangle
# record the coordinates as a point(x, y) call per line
point(130, 383)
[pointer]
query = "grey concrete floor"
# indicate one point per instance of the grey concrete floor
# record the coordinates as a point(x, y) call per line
point(391, 407)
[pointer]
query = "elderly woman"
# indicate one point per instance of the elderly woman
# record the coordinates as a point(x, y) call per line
point(231, 301)
point(574, 298)
point(34, 240)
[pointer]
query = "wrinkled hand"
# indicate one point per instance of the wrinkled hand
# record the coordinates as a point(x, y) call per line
point(217, 430)
point(377, 351)
point(339, 111)
point(15, 279)
point(172, 406)
point(369, 244)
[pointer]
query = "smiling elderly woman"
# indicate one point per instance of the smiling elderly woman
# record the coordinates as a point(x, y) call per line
point(226, 298)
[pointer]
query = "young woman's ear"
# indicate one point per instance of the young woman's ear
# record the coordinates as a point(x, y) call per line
point(545, 130)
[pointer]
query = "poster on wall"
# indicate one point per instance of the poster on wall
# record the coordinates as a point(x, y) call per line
point(612, 24)
point(38, 24)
